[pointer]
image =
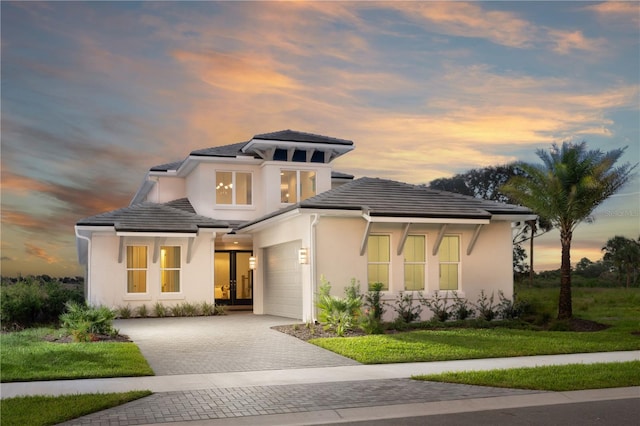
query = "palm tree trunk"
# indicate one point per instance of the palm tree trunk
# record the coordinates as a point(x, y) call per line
point(565, 309)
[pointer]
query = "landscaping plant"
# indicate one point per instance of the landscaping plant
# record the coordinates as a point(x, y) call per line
point(438, 305)
point(371, 320)
point(339, 314)
point(486, 308)
point(406, 310)
point(461, 309)
point(85, 323)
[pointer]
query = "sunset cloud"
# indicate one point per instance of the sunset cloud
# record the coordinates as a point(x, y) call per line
point(33, 250)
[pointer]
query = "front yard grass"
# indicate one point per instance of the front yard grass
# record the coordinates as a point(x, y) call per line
point(550, 378)
point(25, 356)
point(50, 410)
point(452, 344)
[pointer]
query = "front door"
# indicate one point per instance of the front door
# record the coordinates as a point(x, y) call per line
point(233, 278)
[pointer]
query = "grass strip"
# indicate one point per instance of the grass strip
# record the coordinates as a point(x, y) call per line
point(26, 357)
point(50, 410)
point(550, 378)
point(452, 344)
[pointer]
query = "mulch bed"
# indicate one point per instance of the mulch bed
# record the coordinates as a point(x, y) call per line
point(306, 332)
point(97, 338)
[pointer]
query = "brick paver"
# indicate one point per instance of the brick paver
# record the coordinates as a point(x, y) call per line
point(232, 402)
point(221, 344)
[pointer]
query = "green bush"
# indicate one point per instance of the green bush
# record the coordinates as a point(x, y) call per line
point(339, 314)
point(461, 309)
point(438, 305)
point(29, 302)
point(159, 310)
point(85, 323)
point(124, 312)
point(486, 309)
point(142, 311)
point(406, 310)
point(371, 320)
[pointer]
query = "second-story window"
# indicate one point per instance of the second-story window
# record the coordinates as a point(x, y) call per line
point(233, 188)
point(296, 185)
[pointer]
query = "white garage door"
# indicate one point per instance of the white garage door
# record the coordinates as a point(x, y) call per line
point(282, 281)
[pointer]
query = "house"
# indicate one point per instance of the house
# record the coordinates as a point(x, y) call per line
point(259, 222)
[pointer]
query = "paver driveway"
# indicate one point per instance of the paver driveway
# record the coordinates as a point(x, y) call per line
point(235, 342)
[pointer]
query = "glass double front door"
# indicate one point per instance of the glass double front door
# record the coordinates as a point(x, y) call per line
point(233, 278)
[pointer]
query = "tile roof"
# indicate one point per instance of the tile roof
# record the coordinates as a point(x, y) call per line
point(220, 151)
point(295, 136)
point(166, 166)
point(151, 217)
point(340, 175)
point(382, 197)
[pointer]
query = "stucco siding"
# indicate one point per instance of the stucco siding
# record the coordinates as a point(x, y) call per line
point(108, 277)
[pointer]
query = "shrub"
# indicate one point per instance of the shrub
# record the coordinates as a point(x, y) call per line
point(189, 309)
point(406, 310)
point(461, 309)
point(84, 322)
point(207, 309)
point(486, 308)
point(28, 302)
point(371, 320)
point(437, 305)
point(510, 309)
point(124, 312)
point(159, 310)
point(177, 310)
point(339, 314)
point(219, 310)
point(142, 311)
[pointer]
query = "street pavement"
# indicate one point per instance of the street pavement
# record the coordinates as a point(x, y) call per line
point(274, 379)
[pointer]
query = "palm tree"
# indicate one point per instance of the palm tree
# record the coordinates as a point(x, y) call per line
point(565, 189)
point(624, 253)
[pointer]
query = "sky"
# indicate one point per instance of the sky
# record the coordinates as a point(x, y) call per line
point(95, 93)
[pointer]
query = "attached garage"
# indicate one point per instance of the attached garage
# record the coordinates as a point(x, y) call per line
point(283, 280)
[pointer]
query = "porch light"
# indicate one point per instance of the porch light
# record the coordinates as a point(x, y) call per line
point(303, 256)
point(252, 262)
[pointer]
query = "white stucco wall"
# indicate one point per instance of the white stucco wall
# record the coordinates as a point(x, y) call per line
point(488, 267)
point(108, 278)
point(166, 189)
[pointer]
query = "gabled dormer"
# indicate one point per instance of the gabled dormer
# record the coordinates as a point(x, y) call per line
point(246, 180)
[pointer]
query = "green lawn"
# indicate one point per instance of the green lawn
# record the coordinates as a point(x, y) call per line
point(549, 378)
point(26, 357)
point(617, 307)
point(451, 344)
point(49, 410)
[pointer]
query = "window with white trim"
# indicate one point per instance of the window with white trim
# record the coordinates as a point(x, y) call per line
point(378, 260)
point(170, 269)
point(414, 263)
point(449, 256)
point(296, 185)
point(137, 269)
point(233, 188)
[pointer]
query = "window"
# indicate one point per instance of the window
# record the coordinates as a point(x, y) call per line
point(378, 259)
point(170, 269)
point(296, 185)
point(449, 262)
point(414, 263)
point(233, 188)
point(136, 269)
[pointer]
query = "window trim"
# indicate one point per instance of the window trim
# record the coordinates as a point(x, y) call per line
point(298, 184)
point(161, 270)
point(388, 263)
point(137, 295)
point(423, 263)
point(234, 188)
point(458, 263)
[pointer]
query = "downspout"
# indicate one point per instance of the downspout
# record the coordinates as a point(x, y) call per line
point(314, 223)
point(88, 270)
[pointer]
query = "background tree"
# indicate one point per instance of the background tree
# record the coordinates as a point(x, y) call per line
point(565, 189)
point(486, 183)
point(624, 254)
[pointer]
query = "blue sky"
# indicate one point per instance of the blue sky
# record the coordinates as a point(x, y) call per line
point(95, 93)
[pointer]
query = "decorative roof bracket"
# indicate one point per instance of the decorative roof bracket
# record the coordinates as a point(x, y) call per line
point(403, 238)
point(472, 243)
point(436, 245)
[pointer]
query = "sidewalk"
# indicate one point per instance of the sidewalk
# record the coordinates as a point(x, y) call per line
point(319, 395)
